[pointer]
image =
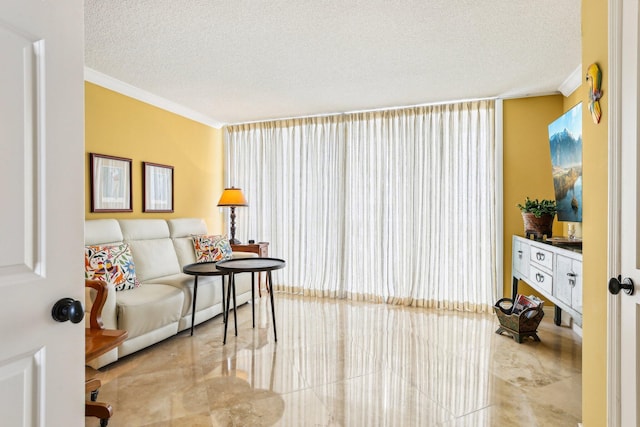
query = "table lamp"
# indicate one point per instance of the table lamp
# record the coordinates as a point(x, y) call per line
point(232, 197)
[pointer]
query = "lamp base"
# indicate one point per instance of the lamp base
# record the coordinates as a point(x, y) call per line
point(235, 241)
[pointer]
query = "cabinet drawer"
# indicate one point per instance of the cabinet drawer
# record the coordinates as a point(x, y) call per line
point(520, 261)
point(541, 257)
point(568, 281)
point(540, 279)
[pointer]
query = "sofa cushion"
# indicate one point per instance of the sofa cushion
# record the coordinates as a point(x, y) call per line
point(148, 307)
point(154, 258)
point(184, 250)
point(211, 248)
point(102, 232)
point(144, 229)
point(151, 247)
point(209, 290)
point(112, 264)
point(185, 227)
point(181, 230)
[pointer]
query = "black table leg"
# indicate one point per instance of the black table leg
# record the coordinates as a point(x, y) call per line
point(193, 306)
point(235, 310)
point(223, 305)
point(273, 312)
point(557, 316)
point(226, 313)
point(253, 299)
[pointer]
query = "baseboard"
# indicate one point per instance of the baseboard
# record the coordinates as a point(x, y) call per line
point(565, 319)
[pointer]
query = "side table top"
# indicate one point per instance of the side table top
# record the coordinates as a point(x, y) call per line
point(250, 264)
point(255, 245)
point(99, 341)
point(208, 268)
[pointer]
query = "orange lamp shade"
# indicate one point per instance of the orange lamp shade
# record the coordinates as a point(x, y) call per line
point(232, 197)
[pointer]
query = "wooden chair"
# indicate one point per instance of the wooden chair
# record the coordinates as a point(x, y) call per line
point(97, 342)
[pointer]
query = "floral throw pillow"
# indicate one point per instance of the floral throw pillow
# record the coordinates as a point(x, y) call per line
point(112, 264)
point(211, 248)
point(97, 263)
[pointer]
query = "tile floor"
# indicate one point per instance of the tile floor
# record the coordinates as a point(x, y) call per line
point(343, 363)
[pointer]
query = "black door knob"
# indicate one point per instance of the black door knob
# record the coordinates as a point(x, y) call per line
point(617, 283)
point(68, 309)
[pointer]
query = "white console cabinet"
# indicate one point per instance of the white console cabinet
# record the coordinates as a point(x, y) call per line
point(554, 271)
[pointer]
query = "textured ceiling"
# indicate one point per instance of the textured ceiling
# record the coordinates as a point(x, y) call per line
point(247, 60)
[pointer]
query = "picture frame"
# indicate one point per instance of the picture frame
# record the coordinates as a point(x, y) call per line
point(111, 189)
point(158, 187)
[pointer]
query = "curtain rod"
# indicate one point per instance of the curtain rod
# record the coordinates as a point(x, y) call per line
point(373, 110)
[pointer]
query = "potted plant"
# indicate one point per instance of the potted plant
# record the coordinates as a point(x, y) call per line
point(538, 217)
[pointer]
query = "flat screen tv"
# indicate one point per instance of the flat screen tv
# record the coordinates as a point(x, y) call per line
point(565, 141)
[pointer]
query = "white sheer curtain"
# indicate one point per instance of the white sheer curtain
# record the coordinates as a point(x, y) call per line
point(396, 206)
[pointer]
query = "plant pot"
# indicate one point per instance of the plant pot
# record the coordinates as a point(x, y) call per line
point(538, 227)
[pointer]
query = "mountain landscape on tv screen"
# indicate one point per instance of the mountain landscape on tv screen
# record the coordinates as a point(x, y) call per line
point(566, 162)
point(566, 148)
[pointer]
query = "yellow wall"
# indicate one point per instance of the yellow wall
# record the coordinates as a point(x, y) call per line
point(594, 225)
point(527, 166)
point(121, 126)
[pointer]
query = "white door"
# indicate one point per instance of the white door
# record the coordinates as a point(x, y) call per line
point(629, 243)
point(41, 211)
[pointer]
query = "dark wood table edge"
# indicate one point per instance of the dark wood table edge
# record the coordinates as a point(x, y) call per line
point(112, 337)
point(221, 265)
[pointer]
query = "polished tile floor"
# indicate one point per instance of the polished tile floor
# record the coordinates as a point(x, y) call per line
point(342, 363)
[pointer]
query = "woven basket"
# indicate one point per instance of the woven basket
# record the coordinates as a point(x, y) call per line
point(519, 326)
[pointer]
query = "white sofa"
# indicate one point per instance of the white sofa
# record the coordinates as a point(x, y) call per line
point(161, 306)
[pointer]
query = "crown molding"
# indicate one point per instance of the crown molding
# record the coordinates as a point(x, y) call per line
point(100, 79)
point(572, 83)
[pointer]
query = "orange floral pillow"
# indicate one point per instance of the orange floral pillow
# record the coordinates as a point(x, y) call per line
point(211, 248)
point(111, 264)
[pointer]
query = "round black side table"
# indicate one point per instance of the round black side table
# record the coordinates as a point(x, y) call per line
point(248, 265)
point(202, 269)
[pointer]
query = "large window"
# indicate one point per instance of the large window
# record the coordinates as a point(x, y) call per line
point(396, 206)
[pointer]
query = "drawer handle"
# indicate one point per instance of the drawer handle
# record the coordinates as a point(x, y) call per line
point(539, 278)
point(519, 254)
point(539, 256)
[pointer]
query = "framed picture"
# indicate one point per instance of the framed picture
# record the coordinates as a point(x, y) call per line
point(110, 183)
point(158, 187)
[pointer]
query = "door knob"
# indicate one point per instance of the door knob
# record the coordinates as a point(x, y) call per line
point(615, 285)
point(68, 309)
